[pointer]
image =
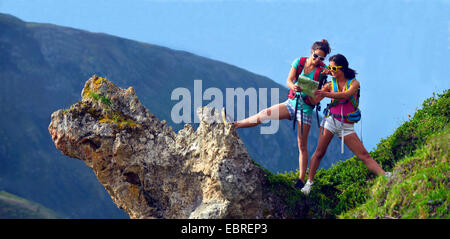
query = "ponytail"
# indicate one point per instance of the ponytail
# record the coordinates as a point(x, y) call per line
point(349, 73)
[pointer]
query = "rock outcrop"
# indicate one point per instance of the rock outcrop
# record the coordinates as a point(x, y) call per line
point(152, 172)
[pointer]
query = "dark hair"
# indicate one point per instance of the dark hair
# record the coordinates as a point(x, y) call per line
point(340, 60)
point(322, 45)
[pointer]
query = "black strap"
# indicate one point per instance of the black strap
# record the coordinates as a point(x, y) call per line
point(295, 111)
point(322, 81)
point(301, 113)
point(317, 116)
point(297, 99)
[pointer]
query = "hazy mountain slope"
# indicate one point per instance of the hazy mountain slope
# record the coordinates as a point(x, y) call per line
point(14, 207)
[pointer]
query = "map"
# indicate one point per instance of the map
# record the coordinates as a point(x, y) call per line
point(308, 86)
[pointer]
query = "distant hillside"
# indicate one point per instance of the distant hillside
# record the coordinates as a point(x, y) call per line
point(14, 207)
point(43, 68)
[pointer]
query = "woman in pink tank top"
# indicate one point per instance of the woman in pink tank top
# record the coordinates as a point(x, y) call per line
point(343, 89)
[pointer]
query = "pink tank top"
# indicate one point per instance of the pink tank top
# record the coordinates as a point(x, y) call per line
point(339, 108)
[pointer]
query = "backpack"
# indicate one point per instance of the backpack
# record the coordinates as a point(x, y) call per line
point(354, 116)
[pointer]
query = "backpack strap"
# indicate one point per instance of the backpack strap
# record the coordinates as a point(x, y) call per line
point(355, 102)
point(334, 88)
point(300, 66)
point(317, 73)
point(299, 69)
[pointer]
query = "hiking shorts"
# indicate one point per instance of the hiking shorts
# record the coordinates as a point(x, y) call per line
point(337, 127)
point(307, 118)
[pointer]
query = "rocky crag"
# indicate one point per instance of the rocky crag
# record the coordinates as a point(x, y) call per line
point(152, 172)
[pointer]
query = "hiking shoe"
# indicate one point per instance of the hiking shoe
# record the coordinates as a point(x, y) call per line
point(388, 175)
point(307, 188)
point(226, 119)
point(299, 184)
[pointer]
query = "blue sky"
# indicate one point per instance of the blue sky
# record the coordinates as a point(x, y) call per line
point(400, 49)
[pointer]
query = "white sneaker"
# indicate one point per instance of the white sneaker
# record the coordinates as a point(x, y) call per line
point(307, 188)
point(388, 175)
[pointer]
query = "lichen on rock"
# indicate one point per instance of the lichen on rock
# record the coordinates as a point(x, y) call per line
point(152, 172)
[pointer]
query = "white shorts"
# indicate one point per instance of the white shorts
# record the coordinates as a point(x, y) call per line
point(337, 127)
point(307, 118)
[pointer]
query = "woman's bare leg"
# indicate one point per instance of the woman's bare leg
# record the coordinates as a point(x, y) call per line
point(322, 145)
point(302, 149)
point(355, 145)
point(276, 112)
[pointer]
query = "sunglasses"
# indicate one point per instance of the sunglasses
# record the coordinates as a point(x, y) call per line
point(320, 57)
point(334, 68)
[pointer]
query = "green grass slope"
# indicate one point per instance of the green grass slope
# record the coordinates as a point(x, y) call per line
point(419, 188)
point(417, 153)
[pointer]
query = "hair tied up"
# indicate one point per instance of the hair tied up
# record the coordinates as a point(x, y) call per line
point(322, 45)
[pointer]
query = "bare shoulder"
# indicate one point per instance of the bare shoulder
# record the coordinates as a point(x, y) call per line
point(355, 83)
